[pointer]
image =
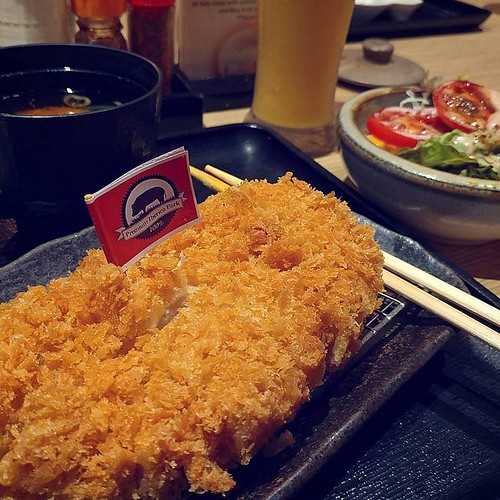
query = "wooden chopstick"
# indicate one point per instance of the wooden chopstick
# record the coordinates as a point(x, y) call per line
point(208, 180)
point(410, 290)
point(230, 179)
point(441, 309)
point(443, 289)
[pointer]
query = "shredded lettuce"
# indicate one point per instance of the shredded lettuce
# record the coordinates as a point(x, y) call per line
point(471, 155)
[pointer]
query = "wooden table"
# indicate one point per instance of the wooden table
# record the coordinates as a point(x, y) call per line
point(473, 55)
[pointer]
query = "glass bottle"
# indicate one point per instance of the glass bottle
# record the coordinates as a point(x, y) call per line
point(99, 22)
point(151, 25)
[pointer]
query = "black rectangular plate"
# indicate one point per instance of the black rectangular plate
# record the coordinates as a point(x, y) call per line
point(221, 93)
point(433, 17)
point(328, 429)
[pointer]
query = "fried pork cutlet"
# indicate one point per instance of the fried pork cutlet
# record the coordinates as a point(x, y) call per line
point(148, 382)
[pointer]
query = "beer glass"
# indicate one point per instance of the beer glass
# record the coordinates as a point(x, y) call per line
point(299, 50)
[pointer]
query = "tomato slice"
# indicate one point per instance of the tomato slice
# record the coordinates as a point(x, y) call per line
point(463, 105)
point(405, 127)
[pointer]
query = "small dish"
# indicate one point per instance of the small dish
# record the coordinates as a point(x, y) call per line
point(442, 205)
point(367, 10)
point(402, 10)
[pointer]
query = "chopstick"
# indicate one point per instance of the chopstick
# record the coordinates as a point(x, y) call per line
point(209, 180)
point(441, 308)
point(230, 179)
point(443, 289)
point(400, 285)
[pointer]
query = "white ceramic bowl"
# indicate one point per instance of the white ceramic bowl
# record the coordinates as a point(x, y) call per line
point(445, 206)
point(400, 10)
point(366, 10)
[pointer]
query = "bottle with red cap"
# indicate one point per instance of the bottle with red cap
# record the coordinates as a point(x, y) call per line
point(99, 22)
point(151, 25)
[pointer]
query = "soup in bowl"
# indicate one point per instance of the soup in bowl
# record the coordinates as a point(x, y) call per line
point(72, 118)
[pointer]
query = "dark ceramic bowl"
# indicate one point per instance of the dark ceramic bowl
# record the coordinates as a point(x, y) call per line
point(445, 206)
point(47, 163)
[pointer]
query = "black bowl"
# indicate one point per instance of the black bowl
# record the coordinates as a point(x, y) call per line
point(47, 163)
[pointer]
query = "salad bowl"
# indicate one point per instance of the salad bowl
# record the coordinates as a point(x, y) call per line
point(433, 202)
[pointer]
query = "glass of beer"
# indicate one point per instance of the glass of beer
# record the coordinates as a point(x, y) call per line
point(299, 50)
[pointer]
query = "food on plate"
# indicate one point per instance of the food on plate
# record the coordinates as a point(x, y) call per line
point(460, 133)
point(149, 381)
point(472, 155)
point(464, 105)
point(404, 127)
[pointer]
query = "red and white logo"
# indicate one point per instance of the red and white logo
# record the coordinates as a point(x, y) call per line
point(143, 207)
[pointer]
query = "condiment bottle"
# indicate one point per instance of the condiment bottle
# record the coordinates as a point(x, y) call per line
point(99, 22)
point(151, 27)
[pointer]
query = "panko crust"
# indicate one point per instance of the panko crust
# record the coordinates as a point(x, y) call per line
point(104, 395)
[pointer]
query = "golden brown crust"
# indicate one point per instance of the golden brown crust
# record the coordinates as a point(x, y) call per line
point(101, 396)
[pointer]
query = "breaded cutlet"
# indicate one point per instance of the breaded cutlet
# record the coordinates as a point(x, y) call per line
point(147, 382)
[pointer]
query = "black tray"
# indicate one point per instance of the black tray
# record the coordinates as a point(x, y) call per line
point(433, 17)
point(435, 438)
point(221, 93)
point(396, 343)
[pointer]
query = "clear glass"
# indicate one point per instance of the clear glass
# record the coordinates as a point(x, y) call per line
point(300, 46)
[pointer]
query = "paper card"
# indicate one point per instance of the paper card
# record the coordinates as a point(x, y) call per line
point(141, 208)
point(216, 38)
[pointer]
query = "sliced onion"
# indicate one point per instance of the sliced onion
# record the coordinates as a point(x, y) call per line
point(410, 111)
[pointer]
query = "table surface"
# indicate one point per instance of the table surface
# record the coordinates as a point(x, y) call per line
point(473, 55)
